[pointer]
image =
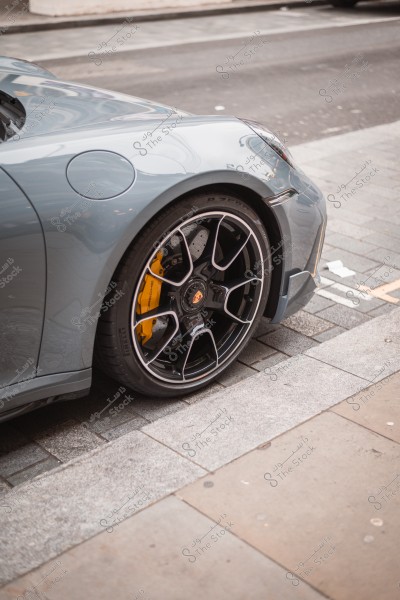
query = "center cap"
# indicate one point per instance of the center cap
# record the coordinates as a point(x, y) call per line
point(194, 295)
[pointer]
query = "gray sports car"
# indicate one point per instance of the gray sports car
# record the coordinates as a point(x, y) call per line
point(139, 238)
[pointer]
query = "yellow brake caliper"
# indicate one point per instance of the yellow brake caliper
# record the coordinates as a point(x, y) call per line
point(149, 298)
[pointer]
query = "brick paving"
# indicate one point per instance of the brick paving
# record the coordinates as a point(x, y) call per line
point(363, 232)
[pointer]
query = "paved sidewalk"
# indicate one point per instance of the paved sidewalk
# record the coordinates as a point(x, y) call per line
point(16, 18)
point(292, 495)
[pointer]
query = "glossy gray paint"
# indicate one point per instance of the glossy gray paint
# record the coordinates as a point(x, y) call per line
point(22, 284)
point(86, 238)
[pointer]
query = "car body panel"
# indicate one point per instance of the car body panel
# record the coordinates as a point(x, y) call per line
point(52, 105)
point(22, 284)
point(16, 66)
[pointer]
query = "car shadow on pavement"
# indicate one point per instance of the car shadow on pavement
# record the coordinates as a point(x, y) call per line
point(42, 439)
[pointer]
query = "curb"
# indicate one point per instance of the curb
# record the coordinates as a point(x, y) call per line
point(142, 17)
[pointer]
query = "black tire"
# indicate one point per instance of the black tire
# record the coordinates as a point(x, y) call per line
point(120, 349)
point(344, 3)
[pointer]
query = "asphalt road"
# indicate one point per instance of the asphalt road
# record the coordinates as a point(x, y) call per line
point(296, 54)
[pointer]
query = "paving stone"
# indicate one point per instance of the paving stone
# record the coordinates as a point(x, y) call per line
point(328, 335)
point(79, 495)
point(324, 257)
point(153, 409)
point(30, 472)
point(271, 361)
point(342, 165)
point(391, 229)
point(235, 372)
point(222, 567)
point(382, 310)
point(343, 316)
point(205, 392)
point(387, 197)
point(309, 152)
point(16, 495)
point(254, 410)
point(351, 292)
point(381, 239)
point(371, 351)
point(265, 327)
point(326, 248)
point(381, 276)
point(352, 245)
point(328, 235)
point(352, 261)
point(365, 306)
point(4, 488)
point(356, 205)
point(22, 457)
point(288, 341)
point(377, 407)
point(254, 352)
point(306, 323)
point(111, 421)
point(359, 232)
point(124, 428)
point(353, 282)
point(304, 502)
point(384, 190)
point(349, 213)
point(317, 303)
point(68, 440)
point(382, 255)
point(390, 216)
point(375, 209)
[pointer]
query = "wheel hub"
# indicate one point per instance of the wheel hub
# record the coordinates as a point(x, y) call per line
point(194, 296)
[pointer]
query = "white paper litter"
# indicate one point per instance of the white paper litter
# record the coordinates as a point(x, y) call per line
point(337, 267)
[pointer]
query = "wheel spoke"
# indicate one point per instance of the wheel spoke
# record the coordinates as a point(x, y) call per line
point(155, 313)
point(232, 254)
point(170, 338)
point(225, 290)
point(187, 258)
point(195, 336)
point(237, 283)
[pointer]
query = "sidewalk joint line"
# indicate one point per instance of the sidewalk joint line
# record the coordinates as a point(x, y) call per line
point(340, 368)
point(247, 543)
point(176, 452)
point(360, 424)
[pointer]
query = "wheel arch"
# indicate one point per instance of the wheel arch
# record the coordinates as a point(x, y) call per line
point(253, 199)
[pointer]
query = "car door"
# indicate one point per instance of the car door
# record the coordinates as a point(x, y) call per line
point(22, 286)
